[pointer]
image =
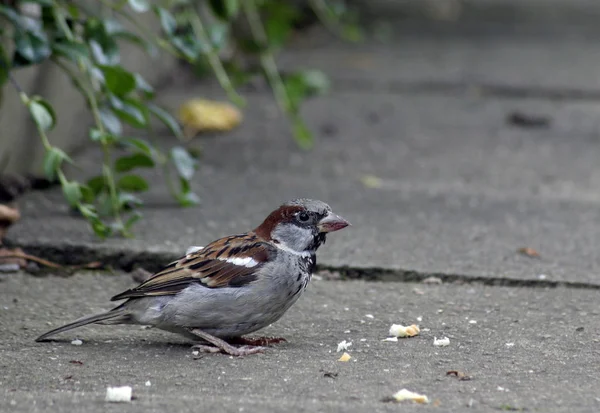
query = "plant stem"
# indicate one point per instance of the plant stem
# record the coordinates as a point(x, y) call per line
point(213, 58)
point(266, 56)
point(323, 12)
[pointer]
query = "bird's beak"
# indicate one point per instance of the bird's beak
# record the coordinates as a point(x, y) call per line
point(332, 222)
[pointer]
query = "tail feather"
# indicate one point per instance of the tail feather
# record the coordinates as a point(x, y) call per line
point(111, 315)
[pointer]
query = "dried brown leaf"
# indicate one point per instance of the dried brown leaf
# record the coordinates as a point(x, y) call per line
point(529, 252)
point(461, 375)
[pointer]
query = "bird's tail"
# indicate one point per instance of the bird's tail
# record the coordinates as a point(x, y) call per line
point(117, 315)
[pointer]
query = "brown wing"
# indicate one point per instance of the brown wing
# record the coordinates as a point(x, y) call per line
point(227, 262)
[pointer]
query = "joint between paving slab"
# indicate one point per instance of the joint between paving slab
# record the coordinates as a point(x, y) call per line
point(413, 276)
point(128, 260)
point(459, 88)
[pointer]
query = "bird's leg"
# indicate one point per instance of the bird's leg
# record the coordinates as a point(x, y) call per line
point(224, 346)
point(259, 341)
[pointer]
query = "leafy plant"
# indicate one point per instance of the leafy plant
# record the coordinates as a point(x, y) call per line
point(83, 39)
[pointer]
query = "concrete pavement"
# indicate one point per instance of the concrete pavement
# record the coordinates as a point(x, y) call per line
point(534, 349)
point(414, 145)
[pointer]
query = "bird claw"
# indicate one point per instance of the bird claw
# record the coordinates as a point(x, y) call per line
point(232, 351)
point(221, 346)
point(259, 341)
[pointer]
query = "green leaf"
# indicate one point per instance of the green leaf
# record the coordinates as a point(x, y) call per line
point(42, 113)
point(129, 201)
point(139, 6)
point(188, 199)
point(189, 46)
point(139, 144)
point(225, 9)
point(279, 22)
point(100, 229)
point(184, 163)
point(104, 204)
point(167, 21)
point(135, 217)
point(99, 136)
point(166, 118)
point(96, 184)
point(4, 68)
point(110, 121)
point(118, 80)
point(130, 110)
point(315, 81)
point(219, 34)
point(88, 211)
point(143, 86)
point(53, 160)
point(99, 35)
point(30, 48)
point(304, 84)
point(133, 183)
point(302, 134)
point(12, 16)
point(87, 194)
point(71, 50)
point(138, 160)
point(72, 192)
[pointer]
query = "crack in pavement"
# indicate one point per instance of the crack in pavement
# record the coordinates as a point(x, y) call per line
point(128, 260)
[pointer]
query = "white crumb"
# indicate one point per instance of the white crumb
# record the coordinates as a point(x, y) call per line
point(77, 342)
point(405, 394)
point(148, 383)
point(398, 330)
point(442, 342)
point(118, 394)
point(343, 345)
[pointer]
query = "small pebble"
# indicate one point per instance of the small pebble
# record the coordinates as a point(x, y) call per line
point(77, 342)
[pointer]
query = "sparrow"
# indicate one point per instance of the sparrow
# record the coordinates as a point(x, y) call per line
point(231, 287)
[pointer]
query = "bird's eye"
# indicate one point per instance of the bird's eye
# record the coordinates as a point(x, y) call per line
point(303, 217)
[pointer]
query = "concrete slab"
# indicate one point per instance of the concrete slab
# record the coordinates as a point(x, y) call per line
point(458, 190)
point(525, 348)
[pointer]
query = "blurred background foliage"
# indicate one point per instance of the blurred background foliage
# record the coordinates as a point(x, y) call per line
point(234, 40)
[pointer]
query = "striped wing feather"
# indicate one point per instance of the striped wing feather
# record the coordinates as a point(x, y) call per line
point(227, 262)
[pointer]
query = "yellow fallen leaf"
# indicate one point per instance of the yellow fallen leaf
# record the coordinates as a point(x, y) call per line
point(345, 357)
point(200, 115)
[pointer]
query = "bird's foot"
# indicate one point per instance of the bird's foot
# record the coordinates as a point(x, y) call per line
point(259, 341)
point(221, 346)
